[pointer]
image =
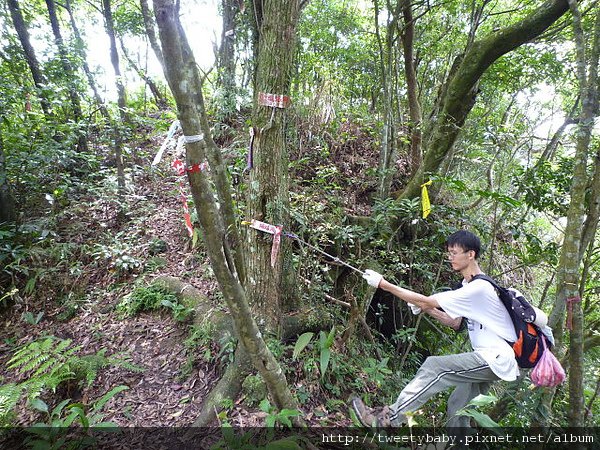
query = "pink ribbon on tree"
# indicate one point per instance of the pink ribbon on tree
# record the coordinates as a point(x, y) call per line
point(570, 302)
point(275, 230)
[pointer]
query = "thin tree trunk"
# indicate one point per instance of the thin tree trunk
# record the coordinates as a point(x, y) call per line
point(121, 98)
point(149, 26)
point(179, 71)
point(8, 211)
point(414, 108)
point(80, 45)
point(268, 187)
point(160, 100)
point(69, 74)
point(573, 237)
point(34, 66)
point(226, 60)
point(387, 153)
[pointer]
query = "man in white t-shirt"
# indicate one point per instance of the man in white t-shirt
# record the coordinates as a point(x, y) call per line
point(470, 373)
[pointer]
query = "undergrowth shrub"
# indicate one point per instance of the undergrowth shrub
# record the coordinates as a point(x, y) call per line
point(153, 298)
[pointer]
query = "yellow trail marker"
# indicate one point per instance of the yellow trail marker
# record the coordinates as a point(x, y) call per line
point(425, 199)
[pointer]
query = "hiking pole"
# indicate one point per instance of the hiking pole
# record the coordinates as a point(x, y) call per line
point(277, 230)
point(318, 250)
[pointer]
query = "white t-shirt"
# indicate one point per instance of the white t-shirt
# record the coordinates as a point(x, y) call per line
point(488, 323)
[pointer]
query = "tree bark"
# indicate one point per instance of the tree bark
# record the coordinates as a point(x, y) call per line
point(69, 74)
point(268, 187)
point(34, 66)
point(571, 262)
point(414, 108)
point(8, 211)
point(179, 71)
point(149, 26)
point(121, 96)
point(226, 59)
point(461, 92)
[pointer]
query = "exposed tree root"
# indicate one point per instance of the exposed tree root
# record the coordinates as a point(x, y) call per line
point(230, 384)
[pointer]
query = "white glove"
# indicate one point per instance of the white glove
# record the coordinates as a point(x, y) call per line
point(415, 309)
point(373, 278)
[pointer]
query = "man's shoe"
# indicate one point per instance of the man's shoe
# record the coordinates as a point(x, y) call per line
point(370, 417)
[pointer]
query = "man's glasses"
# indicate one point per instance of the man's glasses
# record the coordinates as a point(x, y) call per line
point(452, 255)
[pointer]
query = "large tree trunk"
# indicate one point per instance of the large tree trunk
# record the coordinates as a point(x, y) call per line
point(121, 96)
point(181, 72)
point(459, 97)
point(34, 66)
point(268, 187)
point(69, 74)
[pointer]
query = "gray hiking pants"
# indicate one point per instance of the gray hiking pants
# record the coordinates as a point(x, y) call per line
point(467, 371)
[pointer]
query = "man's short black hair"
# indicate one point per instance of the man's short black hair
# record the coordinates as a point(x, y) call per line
point(465, 240)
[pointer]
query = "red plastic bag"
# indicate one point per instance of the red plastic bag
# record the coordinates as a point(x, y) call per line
point(547, 372)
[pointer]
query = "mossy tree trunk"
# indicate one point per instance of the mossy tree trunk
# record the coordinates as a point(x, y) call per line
point(462, 85)
point(181, 74)
point(268, 187)
point(569, 268)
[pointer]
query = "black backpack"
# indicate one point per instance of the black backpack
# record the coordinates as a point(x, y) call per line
point(528, 347)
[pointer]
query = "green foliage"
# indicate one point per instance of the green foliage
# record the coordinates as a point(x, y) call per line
point(54, 432)
point(50, 362)
point(377, 371)
point(472, 410)
point(10, 394)
point(547, 186)
point(153, 298)
point(275, 417)
point(254, 389)
point(325, 342)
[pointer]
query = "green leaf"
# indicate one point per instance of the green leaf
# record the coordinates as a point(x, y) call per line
point(106, 425)
point(301, 344)
point(324, 360)
point(265, 405)
point(39, 404)
point(99, 404)
point(482, 419)
point(270, 421)
point(330, 338)
point(483, 400)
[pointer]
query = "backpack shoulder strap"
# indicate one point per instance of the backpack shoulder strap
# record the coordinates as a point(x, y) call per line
point(482, 276)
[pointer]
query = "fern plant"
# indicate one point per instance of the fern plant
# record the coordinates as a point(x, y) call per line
point(49, 362)
point(9, 398)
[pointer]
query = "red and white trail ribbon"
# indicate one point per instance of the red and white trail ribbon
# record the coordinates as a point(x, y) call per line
point(181, 169)
point(275, 230)
point(273, 100)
